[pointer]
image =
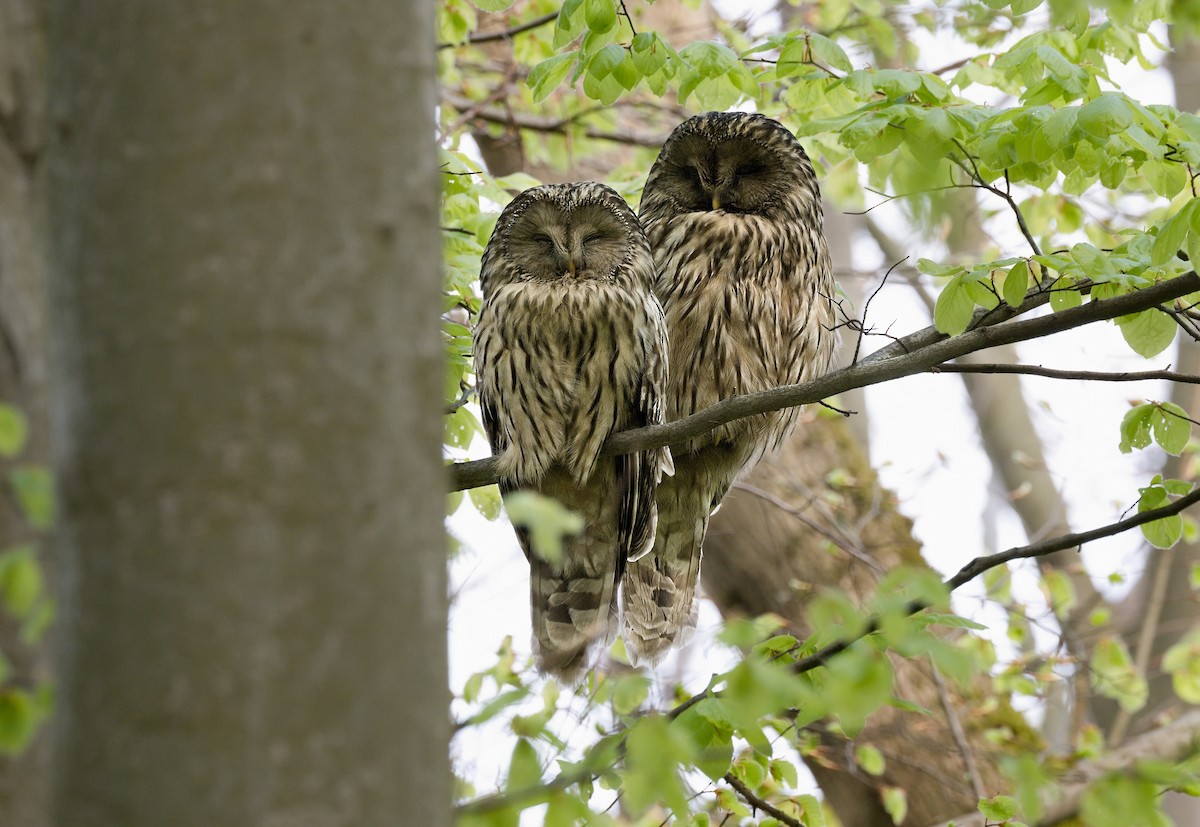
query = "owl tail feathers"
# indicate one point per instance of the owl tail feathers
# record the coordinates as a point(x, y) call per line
point(659, 598)
point(573, 617)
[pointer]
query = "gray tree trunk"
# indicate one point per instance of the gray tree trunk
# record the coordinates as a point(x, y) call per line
point(23, 778)
point(243, 208)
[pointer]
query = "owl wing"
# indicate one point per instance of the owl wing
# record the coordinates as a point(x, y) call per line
point(638, 474)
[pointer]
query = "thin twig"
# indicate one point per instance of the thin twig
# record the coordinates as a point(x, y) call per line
point(748, 794)
point(1007, 196)
point(539, 123)
point(960, 736)
point(786, 507)
point(503, 34)
point(1149, 630)
point(867, 306)
point(1053, 373)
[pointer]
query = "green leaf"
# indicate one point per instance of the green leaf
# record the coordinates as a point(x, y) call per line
point(601, 15)
point(1016, 283)
point(954, 308)
point(1114, 675)
point(1172, 234)
point(1148, 333)
point(1182, 662)
point(1106, 115)
point(1171, 427)
point(869, 759)
point(1135, 428)
point(13, 431)
point(34, 487)
point(630, 693)
point(1120, 801)
point(492, 5)
point(524, 769)
point(18, 720)
point(21, 583)
point(497, 705)
point(649, 52)
point(486, 500)
point(1063, 296)
point(895, 801)
point(1166, 531)
point(712, 743)
point(829, 52)
point(651, 767)
point(1059, 590)
point(546, 519)
point(998, 808)
point(549, 75)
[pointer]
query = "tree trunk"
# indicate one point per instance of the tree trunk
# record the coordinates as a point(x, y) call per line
point(243, 210)
point(24, 779)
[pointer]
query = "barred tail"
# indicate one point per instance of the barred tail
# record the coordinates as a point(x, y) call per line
point(573, 609)
point(660, 588)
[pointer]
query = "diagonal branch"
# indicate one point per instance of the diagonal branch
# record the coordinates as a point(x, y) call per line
point(760, 803)
point(915, 353)
point(819, 658)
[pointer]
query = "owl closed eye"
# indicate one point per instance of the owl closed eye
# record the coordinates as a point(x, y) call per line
point(549, 240)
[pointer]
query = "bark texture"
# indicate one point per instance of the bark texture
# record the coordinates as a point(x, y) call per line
point(247, 384)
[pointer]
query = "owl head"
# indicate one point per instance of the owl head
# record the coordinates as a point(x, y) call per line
point(577, 231)
point(738, 162)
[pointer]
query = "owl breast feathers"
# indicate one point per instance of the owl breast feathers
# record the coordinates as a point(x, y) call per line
point(733, 214)
point(570, 347)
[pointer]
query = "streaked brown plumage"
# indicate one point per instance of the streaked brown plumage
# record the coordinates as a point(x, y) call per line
point(571, 346)
point(733, 214)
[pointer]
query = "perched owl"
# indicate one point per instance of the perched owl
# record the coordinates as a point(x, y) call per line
point(733, 214)
point(571, 347)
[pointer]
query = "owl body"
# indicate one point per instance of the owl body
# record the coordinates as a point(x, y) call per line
point(733, 214)
point(569, 348)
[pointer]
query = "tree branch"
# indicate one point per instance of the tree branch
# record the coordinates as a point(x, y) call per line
point(503, 34)
point(915, 353)
point(968, 572)
point(1091, 375)
point(748, 794)
point(541, 123)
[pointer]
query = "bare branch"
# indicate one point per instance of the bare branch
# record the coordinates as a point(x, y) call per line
point(915, 353)
point(503, 34)
point(541, 123)
point(1053, 373)
point(748, 794)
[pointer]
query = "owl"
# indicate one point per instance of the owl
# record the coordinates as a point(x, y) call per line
point(570, 346)
point(733, 214)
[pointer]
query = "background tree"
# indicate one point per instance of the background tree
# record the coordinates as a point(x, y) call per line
point(1074, 178)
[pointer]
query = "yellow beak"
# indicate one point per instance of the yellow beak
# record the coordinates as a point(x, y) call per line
point(571, 266)
point(716, 201)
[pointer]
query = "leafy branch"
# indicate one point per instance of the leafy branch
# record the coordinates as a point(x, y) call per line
point(918, 352)
point(970, 571)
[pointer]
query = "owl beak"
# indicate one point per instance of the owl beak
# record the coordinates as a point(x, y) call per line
point(571, 266)
point(716, 200)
